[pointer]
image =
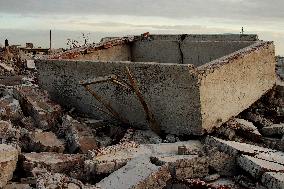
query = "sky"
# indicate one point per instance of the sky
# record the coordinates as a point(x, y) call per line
point(24, 21)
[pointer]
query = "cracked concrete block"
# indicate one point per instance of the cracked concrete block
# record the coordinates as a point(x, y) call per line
point(53, 162)
point(41, 141)
point(234, 148)
point(275, 129)
point(37, 104)
point(8, 161)
point(273, 180)
point(79, 136)
point(113, 157)
point(256, 167)
point(139, 173)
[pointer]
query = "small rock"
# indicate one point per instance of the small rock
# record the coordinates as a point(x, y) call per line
point(8, 161)
point(79, 137)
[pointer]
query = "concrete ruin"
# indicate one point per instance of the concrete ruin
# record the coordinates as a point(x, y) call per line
point(190, 83)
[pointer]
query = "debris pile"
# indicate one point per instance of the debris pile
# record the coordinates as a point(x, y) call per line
point(44, 145)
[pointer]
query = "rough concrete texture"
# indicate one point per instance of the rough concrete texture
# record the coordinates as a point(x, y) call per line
point(56, 180)
point(79, 136)
point(10, 108)
point(46, 142)
point(185, 166)
point(273, 180)
point(15, 185)
point(183, 98)
point(235, 148)
point(114, 159)
point(275, 129)
point(257, 167)
point(8, 161)
point(53, 162)
point(8, 132)
point(139, 173)
point(37, 104)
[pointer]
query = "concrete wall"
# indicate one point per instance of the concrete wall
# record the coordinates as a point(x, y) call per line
point(170, 91)
point(118, 53)
point(184, 52)
point(231, 84)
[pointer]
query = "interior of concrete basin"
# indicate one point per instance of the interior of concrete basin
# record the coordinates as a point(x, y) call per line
point(193, 52)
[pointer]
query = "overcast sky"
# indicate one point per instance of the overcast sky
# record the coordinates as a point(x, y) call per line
point(30, 20)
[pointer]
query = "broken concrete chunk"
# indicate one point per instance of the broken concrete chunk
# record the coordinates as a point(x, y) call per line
point(274, 143)
point(234, 148)
point(15, 185)
point(247, 129)
point(79, 137)
point(10, 108)
point(8, 161)
point(275, 129)
point(56, 180)
point(256, 167)
point(258, 120)
point(103, 141)
point(53, 162)
point(8, 132)
point(28, 123)
point(139, 173)
point(146, 137)
point(273, 180)
point(37, 104)
point(46, 142)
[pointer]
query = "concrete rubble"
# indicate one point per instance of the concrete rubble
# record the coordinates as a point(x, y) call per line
point(46, 143)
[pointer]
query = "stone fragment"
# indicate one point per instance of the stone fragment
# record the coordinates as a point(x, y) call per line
point(212, 177)
point(146, 137)
point(8, 161)
point(56, 180)
point(274, 143)
point(10, 108)
point(273, 180)
point(79, 137)
point(53, 162)
point(184, 166)
point(28, 123)
point(247, 129)
point(37, 104)
point(223, 183)
point(45, 142)
point(8, 132)
point(15, 185)
point(139, 173)
point(103, 141)
point(256, 167)
point(234, 148)
point(275, 129)
point(258, 120)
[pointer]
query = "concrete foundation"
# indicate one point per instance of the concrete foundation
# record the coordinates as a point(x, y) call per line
point(191, 83)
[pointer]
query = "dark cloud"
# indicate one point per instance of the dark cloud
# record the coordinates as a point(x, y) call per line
point(250, 9)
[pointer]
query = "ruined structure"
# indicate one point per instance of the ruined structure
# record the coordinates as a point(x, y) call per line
point(190, 83)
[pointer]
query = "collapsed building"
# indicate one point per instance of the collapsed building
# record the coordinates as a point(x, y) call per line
point(149, 111)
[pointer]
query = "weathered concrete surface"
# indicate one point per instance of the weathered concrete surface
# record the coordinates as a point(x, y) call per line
point(38, 105)
point(275, 129)
point(46, 142)
point(8, 161)
point(242, 77)
point(273, 180)
point(53, 162)
point(184, 99)
point(10, 108)
point(139, 173)
point(79, 137)
point(112, 159)
point(257, 167)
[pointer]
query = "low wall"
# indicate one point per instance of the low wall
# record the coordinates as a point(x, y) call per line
point(170, 91)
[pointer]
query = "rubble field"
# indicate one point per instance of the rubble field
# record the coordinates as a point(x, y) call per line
point(47, 145)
